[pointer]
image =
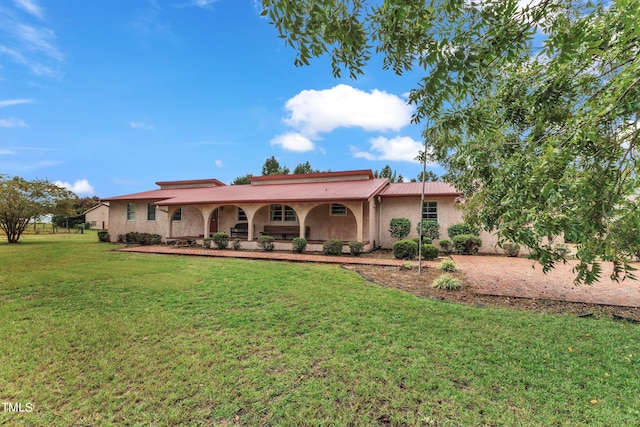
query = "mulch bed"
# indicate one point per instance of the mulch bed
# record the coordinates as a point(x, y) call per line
point(420, 285)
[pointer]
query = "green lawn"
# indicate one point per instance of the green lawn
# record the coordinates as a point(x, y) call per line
point(95, 337)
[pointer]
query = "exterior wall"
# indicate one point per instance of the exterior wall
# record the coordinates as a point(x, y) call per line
point(409, 207)
point(119, 225)
point(326, 227)
point(192, 223)
point(98, 217)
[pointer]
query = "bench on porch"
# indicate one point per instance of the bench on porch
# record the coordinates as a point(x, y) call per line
point(241, 229)
point(284, 231)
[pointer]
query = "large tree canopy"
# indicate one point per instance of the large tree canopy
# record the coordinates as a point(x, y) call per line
point(22, 200)
point(531, 106)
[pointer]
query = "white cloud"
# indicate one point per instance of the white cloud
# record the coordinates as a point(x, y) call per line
point(320, 111)
point(81, 186)
point(140, 125)
point(400, 148)
point(293, 141)
point(12, 123)
point(39, 39)
point(4, 152)
point(10, 102)
point(31, 7)
point(218, 163)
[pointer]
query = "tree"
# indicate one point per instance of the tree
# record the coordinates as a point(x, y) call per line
point(304, 168)
point(531, 108)
point(242, 180)
point(21, 200)
point(399, 228)
point(71, 214)
point(272, 167)
point(388, 173)
point(428, 176)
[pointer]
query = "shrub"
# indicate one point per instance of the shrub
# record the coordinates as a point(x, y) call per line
point(447, 265)
point(299, 244)
point(206, 242)
point(446, 246)
point(400, 228)
point(430, 251)
point(237, 245)
point(132, 237)
point(511, 249)
point(355, 248)
point(103, 236)
point(405, 249)
point(144, 239)
point(407, 266)
point(425, 240)
point(467, 244)
point(221, 240)
point(462, 228)
point(332, 247)
point(429, 228)
point(446, 282)
point(266, 243)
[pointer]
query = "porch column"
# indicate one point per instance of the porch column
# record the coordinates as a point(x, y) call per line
point(358, 213)
point(206, 212)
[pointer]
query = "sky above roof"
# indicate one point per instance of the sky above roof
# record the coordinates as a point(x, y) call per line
point(107, 98)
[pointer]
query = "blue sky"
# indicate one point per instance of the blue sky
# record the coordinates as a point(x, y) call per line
point(108, 97)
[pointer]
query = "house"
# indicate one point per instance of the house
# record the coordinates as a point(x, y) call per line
point(98, 216)
point(348, 205)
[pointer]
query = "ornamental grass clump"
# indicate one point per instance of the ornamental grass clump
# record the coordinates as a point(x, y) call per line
point(447, 265)
point(446, 282)
point(511, 249)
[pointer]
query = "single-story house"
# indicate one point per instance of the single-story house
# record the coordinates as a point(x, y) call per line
point(98, 216)
point(348, 205)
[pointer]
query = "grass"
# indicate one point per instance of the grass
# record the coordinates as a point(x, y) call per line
point(96, 337)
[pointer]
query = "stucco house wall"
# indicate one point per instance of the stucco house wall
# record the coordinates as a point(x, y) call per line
point(98, 217)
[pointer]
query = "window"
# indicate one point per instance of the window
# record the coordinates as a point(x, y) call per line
point(241, 215)
point(278, 213)
point(131, 212)
point(178, 215)
point(430, 211)
point(92, 223)
point(338, 210)
point(151, 212)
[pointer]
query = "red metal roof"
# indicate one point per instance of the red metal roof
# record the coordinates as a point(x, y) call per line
point(149, 195)
point(364, 173)
point(411, 189)
point(298, 192)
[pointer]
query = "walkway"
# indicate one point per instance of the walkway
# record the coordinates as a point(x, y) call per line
point(489, 275)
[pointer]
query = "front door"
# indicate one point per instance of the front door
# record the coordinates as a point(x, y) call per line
point(213, 225)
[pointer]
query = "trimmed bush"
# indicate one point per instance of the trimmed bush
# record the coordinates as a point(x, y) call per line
point(429, 228)
point(467, 244)
point(332, 247)
point(446, 246)
point(221, 240)
point(405, 249)
point(446, 282)
point(462, 228)
point(299, 244)
point(103, 236)
point(425, 240)
point(511, 249)
point(447, 265)
point(144, 239)
point(400, 228)
point(430, 251)
point(237, 244)
point(266, 243)
point(206, 242)
point(355, 248)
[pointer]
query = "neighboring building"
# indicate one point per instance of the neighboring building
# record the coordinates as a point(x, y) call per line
point(98, 216)
point(349, 206)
